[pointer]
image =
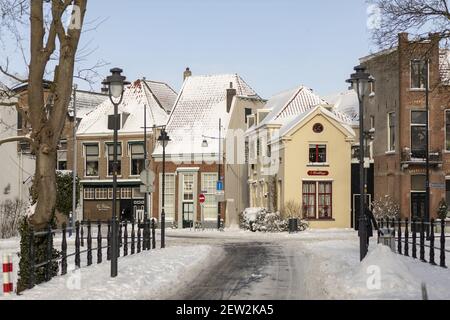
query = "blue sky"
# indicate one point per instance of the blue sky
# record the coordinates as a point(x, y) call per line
point(273, 44)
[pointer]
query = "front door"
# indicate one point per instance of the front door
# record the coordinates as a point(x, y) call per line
point(418, 205)
point(188, 215)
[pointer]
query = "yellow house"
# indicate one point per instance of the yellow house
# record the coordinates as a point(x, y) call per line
point(300, 152)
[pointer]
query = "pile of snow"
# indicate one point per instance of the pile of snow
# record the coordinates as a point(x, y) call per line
point(154, 274)
point(383, 272)
point(260, 220)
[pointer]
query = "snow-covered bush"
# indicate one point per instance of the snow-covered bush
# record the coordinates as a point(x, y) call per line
point(260, 220)
point(442, 210)
point(385, 207)
point(10, 214)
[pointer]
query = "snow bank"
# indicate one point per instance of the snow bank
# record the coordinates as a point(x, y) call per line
point(154, 274)
point(382, 274)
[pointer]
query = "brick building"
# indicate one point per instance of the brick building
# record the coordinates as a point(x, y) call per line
point(397, 112)
point(192, 155)
point(95, 149)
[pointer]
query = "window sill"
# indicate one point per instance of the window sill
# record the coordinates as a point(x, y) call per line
point(91, 177)
point(325, 164)
point(389, 153)
point(416, 89)
point(319, 220)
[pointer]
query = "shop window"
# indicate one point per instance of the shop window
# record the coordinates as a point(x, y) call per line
point(317, 200)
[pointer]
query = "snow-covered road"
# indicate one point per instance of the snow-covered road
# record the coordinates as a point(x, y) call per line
point(309, 265)
point(236, 264)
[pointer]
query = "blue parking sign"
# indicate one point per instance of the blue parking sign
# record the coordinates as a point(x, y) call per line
point(219, 186)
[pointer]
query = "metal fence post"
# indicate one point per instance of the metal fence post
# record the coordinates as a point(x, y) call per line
point(432, 242)
point(77, 244)
point(139, 236)
point(422, 240)
point(64, 251)
point(406, 237)
point(125, 239)
point(99, 242)
point(414, 236)
point(89, 244)
point(108, 242)
point(120, 235)
point(48, 254)
point(132, 238)
point(399, 246)
point(32, 259)
point(82, 234)
point(153, 234)
point(442, 255)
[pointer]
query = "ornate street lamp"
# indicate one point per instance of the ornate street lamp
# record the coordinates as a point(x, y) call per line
point(115, 84)
point(164, 140)
point(360, 81)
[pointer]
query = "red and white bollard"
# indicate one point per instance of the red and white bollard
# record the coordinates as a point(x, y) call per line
point(7, 274)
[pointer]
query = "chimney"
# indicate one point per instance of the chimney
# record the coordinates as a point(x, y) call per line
point(230, 94)
point(187, 73)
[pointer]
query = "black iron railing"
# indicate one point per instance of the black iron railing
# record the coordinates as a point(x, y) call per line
point(133, 237)
point(412, 237)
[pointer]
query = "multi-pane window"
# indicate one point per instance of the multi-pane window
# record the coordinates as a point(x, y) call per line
point(125, 193)
point(309, 200)
point(209, 188)
point(247, 112)
point(317, 200)
point(110, 147)
point(137, 158)
point(447, 130)
point(317, 153)
point(89, 193)
point(418, 134)
point(324, 205)
point(188, 187)
point(391, 131)
point(169, 196)
point(418, 74)
point(62, 155)
point(101, 193)
point(91, 164)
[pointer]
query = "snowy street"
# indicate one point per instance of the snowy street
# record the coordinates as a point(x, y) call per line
point(235, 264)
point(310, 265)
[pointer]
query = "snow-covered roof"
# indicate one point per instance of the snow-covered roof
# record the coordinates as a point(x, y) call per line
point(289, 105)
point(136, 97)
point(294, 121)
point(196, 113)
point(86, 102)
point(346, 103)
point(163, 93)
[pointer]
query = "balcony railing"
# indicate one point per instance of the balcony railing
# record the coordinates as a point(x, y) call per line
point(419, 156)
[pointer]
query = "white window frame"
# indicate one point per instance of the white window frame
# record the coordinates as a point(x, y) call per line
point(119, 157)
point(130, 155)
point(410, 76)
point(167, 205)
point(209, 193)
point(447, 150)
point(85, 144)
point(415, 125)
point(88, 193)
point(391, 148)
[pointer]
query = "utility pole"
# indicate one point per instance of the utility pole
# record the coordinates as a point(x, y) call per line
point(74, 169)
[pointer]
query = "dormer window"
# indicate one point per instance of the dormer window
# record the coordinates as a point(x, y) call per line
point(121, 119)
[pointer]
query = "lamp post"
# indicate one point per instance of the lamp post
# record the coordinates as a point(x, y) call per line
point(115, 83)
point(427, 143)
point(164, 140)
point(219, 173)
point(359, 81)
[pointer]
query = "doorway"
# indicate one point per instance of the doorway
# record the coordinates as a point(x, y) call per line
point(355, 210)
point(188, 215)
point(418, 205)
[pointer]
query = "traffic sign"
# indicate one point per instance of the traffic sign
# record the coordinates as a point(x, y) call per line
point(219, 186)
point(147, 177)
point(146, 189)
point(201, 198)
